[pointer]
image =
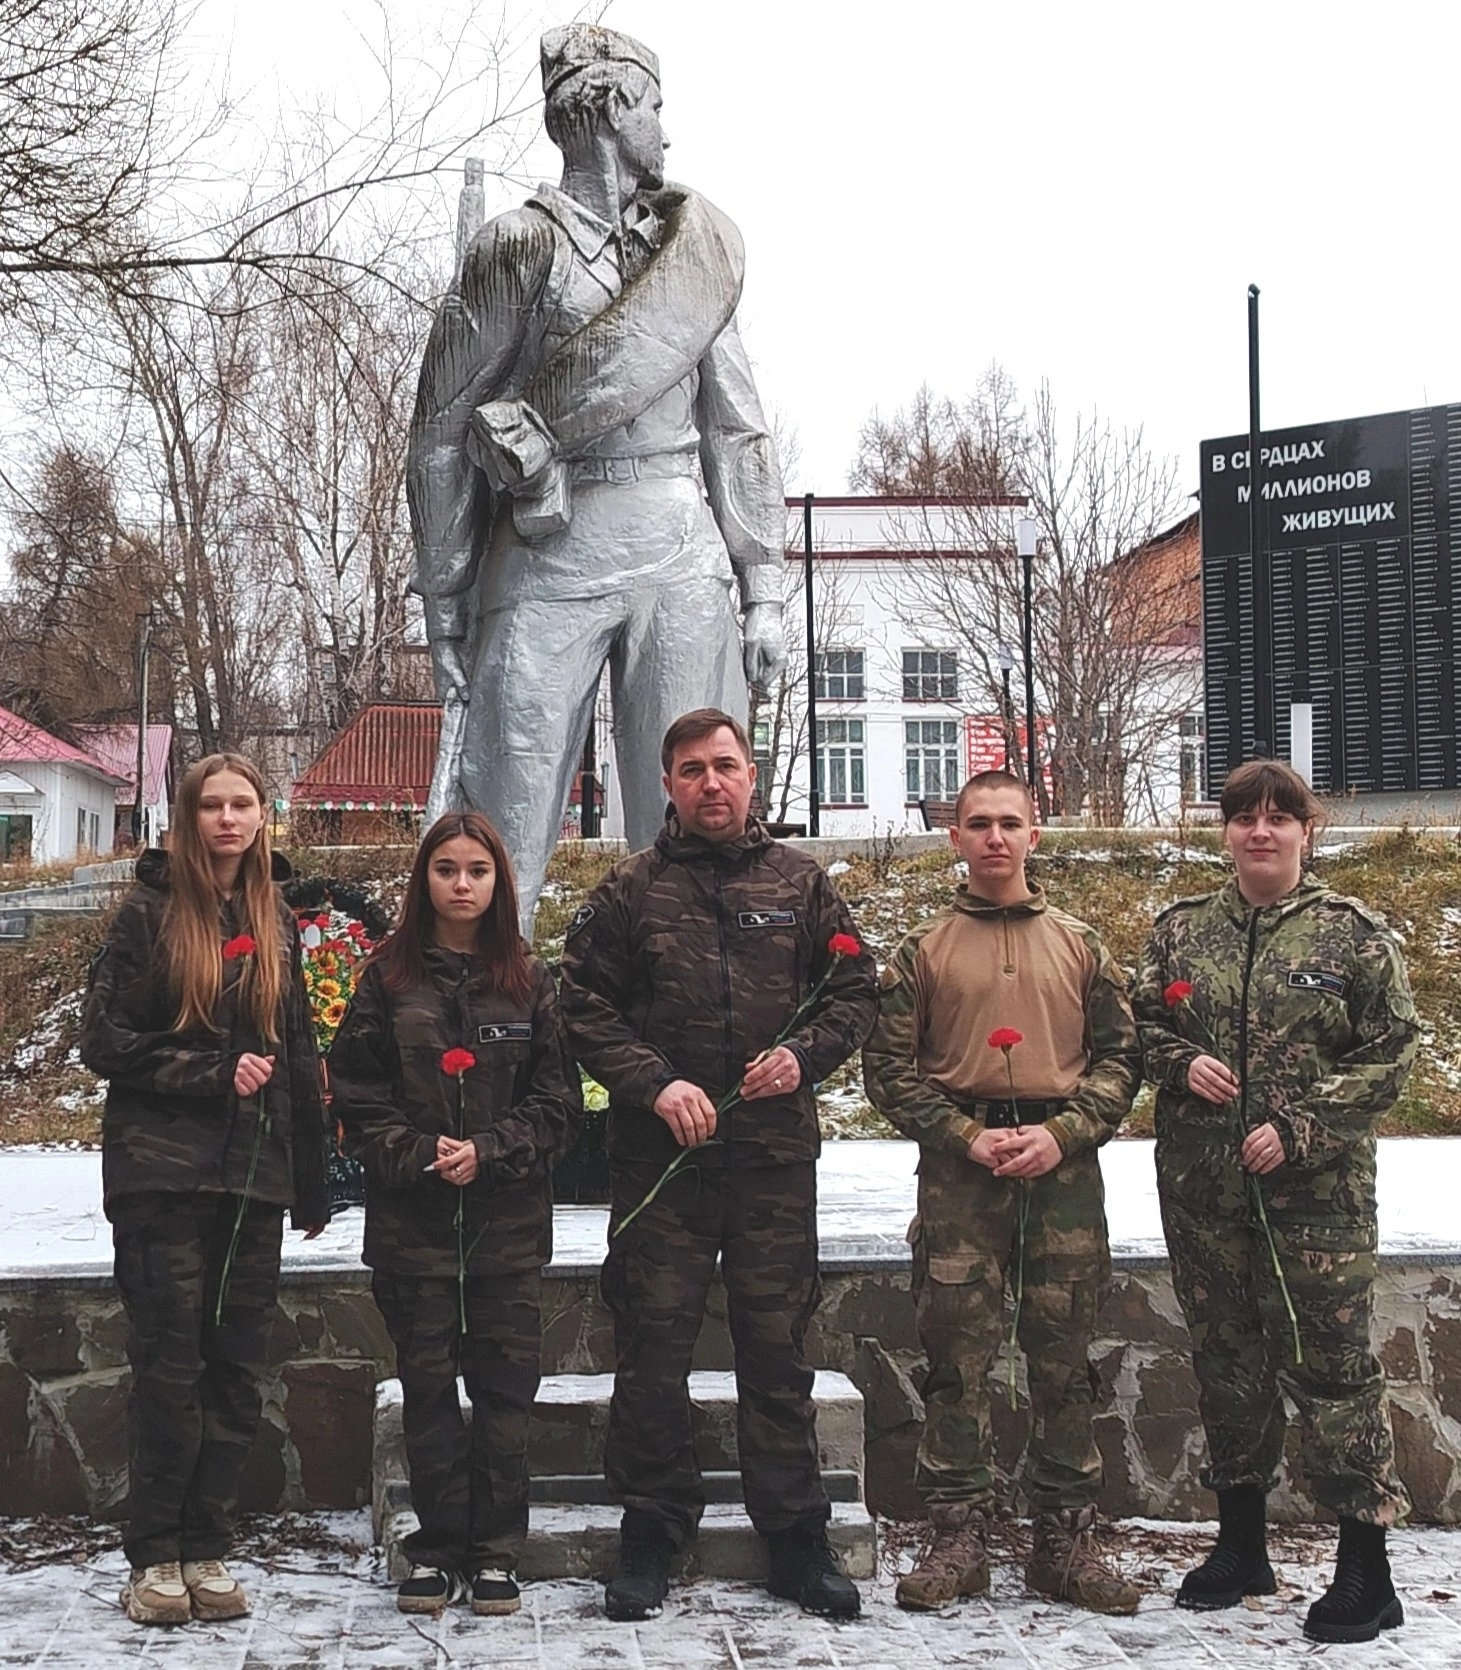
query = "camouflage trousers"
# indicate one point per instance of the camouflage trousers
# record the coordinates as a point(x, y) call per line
point(197, 1383)
point(762, 1223)
point(469, 1488)
point(965, 1272)
point(1243, 1356)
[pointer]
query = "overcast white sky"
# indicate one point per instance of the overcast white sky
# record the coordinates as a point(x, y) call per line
point(1081, 191)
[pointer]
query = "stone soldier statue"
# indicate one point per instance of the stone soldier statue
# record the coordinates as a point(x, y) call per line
point(590, 474)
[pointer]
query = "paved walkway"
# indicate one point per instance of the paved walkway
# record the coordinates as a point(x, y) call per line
point(332, 1610)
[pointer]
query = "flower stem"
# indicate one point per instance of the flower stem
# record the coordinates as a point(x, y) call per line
point(243, 1200)
point(1283, 1286)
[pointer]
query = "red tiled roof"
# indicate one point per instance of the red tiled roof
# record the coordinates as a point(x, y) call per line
point(116, 747)
point(381, 761)
point(22, 743)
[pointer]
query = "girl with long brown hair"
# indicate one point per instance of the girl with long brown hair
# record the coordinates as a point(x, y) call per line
point(197, 1016)
point(456, 1090)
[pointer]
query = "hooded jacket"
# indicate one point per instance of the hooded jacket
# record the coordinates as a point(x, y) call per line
point(520, 1103)
point(173, 1121)
point(1307, 1001)
point(689, 959)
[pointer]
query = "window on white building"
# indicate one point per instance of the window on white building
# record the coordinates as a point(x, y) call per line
point(842, 762)
point(840, 675)
point(1193, 757)
point(931, 759)
point(930, 675)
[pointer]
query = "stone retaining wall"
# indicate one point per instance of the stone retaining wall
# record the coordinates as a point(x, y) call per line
point(63, 1384)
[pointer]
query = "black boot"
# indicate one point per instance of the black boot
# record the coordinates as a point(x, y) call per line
point(1238, 1565)
point(639, 1587)
point(1361, 1601)
point(805, 1568)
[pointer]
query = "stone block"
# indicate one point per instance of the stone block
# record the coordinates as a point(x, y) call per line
point(578, 1333)
point(39, 1471)
point(330, 1407)
point(92, 1412)
point(42, 1339)
point(1399, 1356)
point(1429, 1465)
point(1443, 1347)
point(580, 1541)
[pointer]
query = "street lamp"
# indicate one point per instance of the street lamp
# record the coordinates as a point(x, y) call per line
point(1026, 541)
point(1007, 712)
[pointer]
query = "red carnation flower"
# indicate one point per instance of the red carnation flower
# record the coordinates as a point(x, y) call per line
point(1005, 1038)
point(844, 945)
point(322, 921)
point(1178, 992)
point(241, 945)
point(457, 1061)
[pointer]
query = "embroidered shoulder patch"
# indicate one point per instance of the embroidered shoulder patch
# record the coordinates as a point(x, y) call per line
point(1316, 980)
point(506, 1032)
point(766, 918)
point(581, 919)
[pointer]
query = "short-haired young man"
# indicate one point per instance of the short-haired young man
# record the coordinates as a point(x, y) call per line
point(686, 964)
point(1002, 960)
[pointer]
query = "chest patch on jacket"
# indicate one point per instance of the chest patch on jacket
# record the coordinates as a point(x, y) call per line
point(766, 918)
point(506, 1032)
point(1315, 980)
point(581, 919)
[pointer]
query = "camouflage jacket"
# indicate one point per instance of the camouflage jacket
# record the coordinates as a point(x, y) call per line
point(692, 957)
point(1308, 1003)
point(979, 966)
point(172, 1120)
point(521, 1106)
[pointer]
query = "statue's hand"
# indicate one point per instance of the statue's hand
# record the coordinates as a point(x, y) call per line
point(765, 644)
point(449, 668)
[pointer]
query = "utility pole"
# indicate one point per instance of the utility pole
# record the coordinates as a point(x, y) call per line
point(1263, 709)
point(814, 800)
point(144, 655)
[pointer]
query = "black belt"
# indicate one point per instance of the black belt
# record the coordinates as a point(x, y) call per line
point(1005, 1115)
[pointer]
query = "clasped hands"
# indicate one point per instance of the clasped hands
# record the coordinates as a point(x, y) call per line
point(1024, 1151)
point(691, 1114)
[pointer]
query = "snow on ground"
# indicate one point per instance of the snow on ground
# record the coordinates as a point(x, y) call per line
point(51, 1218)
point(320, 1600)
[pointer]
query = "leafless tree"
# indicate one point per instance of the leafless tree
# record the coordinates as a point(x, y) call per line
point(1109, 686)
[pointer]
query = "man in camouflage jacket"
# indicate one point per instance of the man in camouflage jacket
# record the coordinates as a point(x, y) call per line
point(1306, 1001)
point(686, 965)
point(1009, 1190)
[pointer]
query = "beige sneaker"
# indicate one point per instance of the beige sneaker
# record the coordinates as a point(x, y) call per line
point(216, 1593)
point(157, 1595)
point(954, 1561)
point(1065, 1564)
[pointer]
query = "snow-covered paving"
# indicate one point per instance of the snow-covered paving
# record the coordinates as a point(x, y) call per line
point(51, 1219)
point(329, 1607)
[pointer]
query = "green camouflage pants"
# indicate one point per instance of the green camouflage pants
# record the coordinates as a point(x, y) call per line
point(469, 1489)
point(1243, 1356)
point(964, 1265)
point(196, 1393)
point(762, 1222)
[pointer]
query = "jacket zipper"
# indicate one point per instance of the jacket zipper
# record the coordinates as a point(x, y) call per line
point(1243, 1021)
point(728, 1047)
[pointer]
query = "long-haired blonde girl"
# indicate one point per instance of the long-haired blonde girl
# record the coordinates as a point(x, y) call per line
point(197, 1016)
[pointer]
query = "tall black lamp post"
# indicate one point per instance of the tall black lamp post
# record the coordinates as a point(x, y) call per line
point(1025, 543)
point(814, 799)
point(1007, 712)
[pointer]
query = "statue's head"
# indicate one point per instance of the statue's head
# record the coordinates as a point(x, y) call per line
point(597, 81)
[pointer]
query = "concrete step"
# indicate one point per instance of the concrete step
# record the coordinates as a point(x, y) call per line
point(577, 1540)
point(570, 1419)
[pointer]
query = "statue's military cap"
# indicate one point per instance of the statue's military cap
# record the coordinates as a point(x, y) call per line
point(577, 46)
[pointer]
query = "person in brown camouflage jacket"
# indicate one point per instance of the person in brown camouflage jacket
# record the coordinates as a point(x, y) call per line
point(1009, 1193)
point(1278, 1026)
point(680, 972)
point(213, 1125)
point(455, 1088)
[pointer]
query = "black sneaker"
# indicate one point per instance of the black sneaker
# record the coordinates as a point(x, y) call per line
point(494, 1593)
point(429, 1590)
point(1361, 1601)
point(805, 1568)
point(639, 1588)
